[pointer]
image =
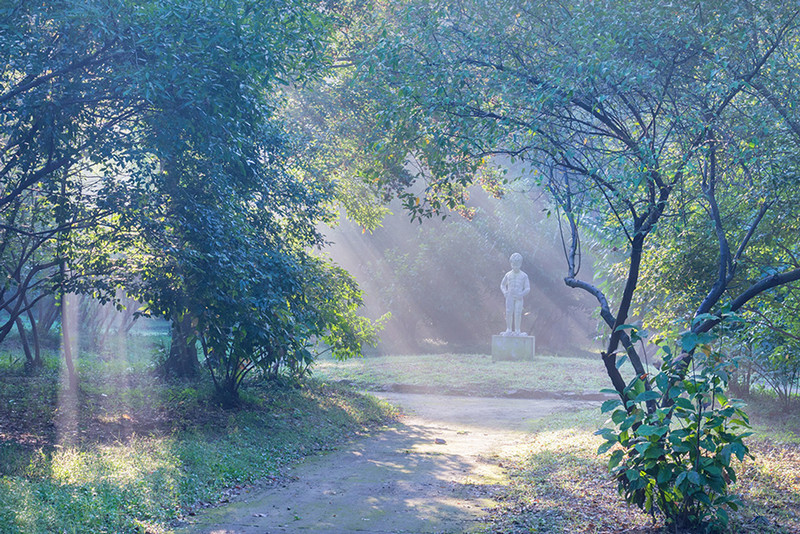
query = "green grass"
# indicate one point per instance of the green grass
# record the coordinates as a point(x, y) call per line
point(557, 483)
point(472, 373)
point(131, 453)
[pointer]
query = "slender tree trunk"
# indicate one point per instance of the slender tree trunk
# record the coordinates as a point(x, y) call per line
point(182, 359)
point(25, 346)
point(37, 346)
point(47, 312)
point(67, 325)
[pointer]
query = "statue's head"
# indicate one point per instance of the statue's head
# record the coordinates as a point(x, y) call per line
point(516, 260)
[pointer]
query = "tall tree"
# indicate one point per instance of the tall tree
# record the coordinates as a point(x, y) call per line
point(212, 75)
point(61, 114)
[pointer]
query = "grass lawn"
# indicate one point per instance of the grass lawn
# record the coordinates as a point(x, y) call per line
point(475, 374)
point(132, 453)
point(558, 484)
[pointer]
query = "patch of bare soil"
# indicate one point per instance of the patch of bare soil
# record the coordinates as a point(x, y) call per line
point(434, 471)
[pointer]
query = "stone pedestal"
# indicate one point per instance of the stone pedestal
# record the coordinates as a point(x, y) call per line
point(513, 348)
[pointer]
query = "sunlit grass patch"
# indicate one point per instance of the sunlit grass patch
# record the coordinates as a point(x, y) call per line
point(179, 451)
point(770, 484)
point(92, 491)
point(558, 484)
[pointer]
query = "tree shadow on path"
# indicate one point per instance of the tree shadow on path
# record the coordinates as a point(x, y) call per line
point(396, 481)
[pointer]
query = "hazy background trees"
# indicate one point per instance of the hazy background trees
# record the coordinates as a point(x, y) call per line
point(440, 280)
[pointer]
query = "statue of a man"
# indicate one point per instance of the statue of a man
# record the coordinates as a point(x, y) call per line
point(515, 286)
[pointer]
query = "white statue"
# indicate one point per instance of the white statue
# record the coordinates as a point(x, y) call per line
point(515, 286)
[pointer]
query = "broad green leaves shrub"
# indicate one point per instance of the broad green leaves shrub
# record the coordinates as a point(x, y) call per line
point(675, 438)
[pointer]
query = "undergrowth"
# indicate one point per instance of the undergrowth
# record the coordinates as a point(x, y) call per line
point(132, 453)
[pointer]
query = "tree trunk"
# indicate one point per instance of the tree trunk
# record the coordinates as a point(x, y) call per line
point(182, 359)
point(37, 346)
point(47, 314)
point(23, 338)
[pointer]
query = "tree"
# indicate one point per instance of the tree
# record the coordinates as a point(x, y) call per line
point(27, 270)
point(769, 350)
point(61, 114)
point(256, 300)
point(150, 131)
point(55, 92)
point(221, 208)
point(635, 117)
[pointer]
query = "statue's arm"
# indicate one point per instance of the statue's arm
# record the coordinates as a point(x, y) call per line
point(527, 286)
point(504, 284)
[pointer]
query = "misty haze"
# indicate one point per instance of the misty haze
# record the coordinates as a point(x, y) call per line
point(399, 267)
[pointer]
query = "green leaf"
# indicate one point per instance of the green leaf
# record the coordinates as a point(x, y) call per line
point(675, 392)
point(615, 459)
point(664, 474)
point(602, 449)
point(689, 342)
point(722, 516)
point(702, 317)
point(610, 405)
point(739, 450)
point(647, 396)
point(619, 416)
point(629, 421)
point(650, 430)
point(607, 434)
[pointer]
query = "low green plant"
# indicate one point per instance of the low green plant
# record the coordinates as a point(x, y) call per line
point(676, 437)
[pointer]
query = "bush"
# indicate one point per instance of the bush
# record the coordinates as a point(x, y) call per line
point(675, 438)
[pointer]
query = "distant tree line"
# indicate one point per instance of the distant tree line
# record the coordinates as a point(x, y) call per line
point(441, 280)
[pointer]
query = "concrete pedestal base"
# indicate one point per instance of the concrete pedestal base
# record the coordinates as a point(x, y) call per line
point(513, 347)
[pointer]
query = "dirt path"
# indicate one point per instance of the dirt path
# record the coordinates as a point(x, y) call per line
point(400, 480)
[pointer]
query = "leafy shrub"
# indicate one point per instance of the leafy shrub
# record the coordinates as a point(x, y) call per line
point(676, 436)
